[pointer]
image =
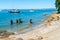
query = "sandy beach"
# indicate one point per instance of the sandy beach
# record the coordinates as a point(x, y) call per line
point(49, 31)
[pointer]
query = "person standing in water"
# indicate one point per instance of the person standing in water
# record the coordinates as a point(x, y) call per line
point(31, 21)
point(17, 21)
point(11, 22)
point(20, 20)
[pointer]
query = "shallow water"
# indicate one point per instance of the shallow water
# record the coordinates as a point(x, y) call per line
point(25, 14)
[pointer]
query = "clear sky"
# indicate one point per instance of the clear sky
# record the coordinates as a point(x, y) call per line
point(26, 4)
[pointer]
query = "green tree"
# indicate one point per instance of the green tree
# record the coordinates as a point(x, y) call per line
point(57, 4)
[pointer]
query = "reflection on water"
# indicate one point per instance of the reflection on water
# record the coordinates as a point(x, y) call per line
point(17, 27)
point(11, 28)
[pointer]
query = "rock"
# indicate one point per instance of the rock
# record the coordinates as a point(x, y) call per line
point(4, 33)
point(19, 39)
point(40, 38)
point(44, 14)
point(1, 31)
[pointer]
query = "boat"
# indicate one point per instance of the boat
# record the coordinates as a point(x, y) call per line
point(14, 11)
point(31, 10)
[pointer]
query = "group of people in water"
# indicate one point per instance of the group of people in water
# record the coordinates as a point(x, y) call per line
point(19, 21)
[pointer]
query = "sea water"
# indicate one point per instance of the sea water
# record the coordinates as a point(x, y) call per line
point(25, 14)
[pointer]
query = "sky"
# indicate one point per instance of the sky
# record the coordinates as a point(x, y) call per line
point(27, 4)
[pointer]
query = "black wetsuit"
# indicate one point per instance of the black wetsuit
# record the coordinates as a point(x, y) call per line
point(17, 21)
point(20, 21)
point(11, 22)
point(31, 21)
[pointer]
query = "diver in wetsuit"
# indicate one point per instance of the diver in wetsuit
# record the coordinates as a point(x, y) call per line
point(17, 21)
point(11, 22)
point(20, 20)
point(31, 21)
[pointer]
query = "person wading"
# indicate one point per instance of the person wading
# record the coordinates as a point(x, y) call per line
point(31, 21)
point(11, 22)
point(20, 20)
point(17, 21)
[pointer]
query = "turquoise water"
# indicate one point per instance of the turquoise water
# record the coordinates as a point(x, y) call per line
point(25, 15)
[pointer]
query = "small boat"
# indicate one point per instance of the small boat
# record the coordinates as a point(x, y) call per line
point(14, 11)
point(31, 10)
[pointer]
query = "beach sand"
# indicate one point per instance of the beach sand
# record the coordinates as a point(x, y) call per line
point(49, 31)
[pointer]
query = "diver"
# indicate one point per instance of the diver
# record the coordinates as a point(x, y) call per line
point(20, 20)
point(11, 22)
point(31, 21)
point(17, 21)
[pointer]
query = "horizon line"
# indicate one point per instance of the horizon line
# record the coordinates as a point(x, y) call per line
point(30, 8)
